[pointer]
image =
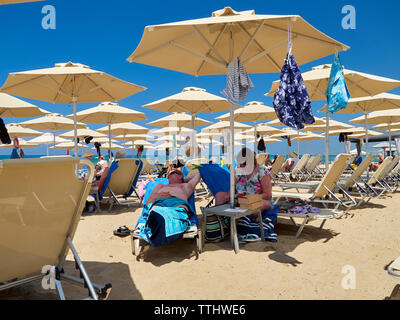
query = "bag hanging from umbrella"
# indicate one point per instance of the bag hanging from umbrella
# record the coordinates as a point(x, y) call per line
point(337, 93)
point(291, 101)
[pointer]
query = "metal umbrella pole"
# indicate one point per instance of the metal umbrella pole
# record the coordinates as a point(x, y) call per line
point(255, 136)
point(54, 140)
point(109, 141)
point(75, 129)
point(232, 158)
point(327, 142)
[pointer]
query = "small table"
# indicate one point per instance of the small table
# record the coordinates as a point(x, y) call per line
point(233, 215)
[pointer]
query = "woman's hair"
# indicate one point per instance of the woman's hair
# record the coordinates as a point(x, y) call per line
point(245, 155)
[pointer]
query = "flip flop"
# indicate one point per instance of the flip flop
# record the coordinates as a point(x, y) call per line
point(242, 239)
point(252, 238)
point(123, 231)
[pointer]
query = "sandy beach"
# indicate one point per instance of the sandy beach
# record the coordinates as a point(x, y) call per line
point(306, 268)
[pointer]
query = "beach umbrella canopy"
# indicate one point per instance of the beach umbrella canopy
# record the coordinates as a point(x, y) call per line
point(107, 146)
point(333, 125)
point(124, 129)
point(382, 101)
point(15, 131)
point(264, 129)
point(82, 133)
point(191, 100)
point(134, 137)
point(69, 83)
point(253, 111)
point(387, 126)
point(16, 1)
point(11, 107)
point(179, 119)
point(309, 136)
point(109, 113)
point(209, 134)
point(383, 145)
point(103, 140)
point(359, 85)
point(364, 134)
point(51, 121)
point(225, 125)
point(67, 145)
point(47, 139)
point(139, 143)
point(207, 46)
point(177, 138)
point(22, 144)
point(379, 117)
point(172, 130)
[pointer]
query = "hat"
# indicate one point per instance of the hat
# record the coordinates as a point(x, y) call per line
point(294, 154)
point(244, 154)
point(87, 153)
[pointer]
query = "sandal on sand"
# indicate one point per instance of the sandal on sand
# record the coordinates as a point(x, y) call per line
point(252, 238)
point(123, 231)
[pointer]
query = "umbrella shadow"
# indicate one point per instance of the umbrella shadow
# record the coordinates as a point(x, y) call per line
point(118, 274)
point(286, 242)
point(116, 209)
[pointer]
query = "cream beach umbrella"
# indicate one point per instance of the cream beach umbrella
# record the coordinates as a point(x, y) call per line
point(53, 121)
point(47, 139)
point(225, 125)
point(172, 130)
point(382, 101)
point(253, 111)
point(16, 1)
point(11, 107)
point(308, 137)
point(207, 46)
point(15, 131)
point(134, 137)
point(289, 133)
point(172, 138)
point(180, 119)
point(109, 113)
point(82, 133)
point(191, 100)
point(139, 143)
point(124, 129)
point(364, 134)
point(379, 117)
point(22, 144)
point(69, 83)
point(359, 84)
point(263, 129)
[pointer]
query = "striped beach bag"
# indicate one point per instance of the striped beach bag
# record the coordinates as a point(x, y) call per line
point(217, 228)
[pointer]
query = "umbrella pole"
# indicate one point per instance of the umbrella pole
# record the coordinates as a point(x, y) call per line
point(75, 130)
point(47, 149)
point(366, 133)
point(109, 142)
point(194, 137)
point(54, 141)
point(298, 143)
point(327, 142)
point(390, 140)
point(232, 156)
point(255, 137)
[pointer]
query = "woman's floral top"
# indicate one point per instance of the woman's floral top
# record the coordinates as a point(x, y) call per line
point(252, 185)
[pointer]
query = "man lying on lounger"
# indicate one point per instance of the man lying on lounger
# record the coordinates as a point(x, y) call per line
point(169, 211)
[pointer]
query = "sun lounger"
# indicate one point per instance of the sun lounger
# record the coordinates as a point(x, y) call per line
point(324, 190)
point(193, 231)
point(311, 169)
point(394, 268)
point(297, 171)
point(376, 180)
point(41, 204)
point(121, 182)
point(277, 166)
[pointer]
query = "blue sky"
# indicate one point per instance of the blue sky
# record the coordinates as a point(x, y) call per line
point(102, 34)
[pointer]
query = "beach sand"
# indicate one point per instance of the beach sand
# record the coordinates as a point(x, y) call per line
point(306, 268)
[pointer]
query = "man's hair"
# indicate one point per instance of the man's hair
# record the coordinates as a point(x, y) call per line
point(173, 170)
point(120, 154)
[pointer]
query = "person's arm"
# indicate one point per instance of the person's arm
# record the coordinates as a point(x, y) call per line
point(192, 181)
point(267, 193)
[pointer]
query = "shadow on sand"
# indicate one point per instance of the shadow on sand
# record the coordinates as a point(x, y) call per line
point(100, 273)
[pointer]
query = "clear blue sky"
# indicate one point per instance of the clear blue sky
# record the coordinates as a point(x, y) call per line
point(102, 34)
